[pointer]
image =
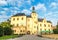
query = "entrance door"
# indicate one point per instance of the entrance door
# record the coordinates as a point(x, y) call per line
point(28, 32)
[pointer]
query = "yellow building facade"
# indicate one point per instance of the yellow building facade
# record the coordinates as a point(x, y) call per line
point(30, 24)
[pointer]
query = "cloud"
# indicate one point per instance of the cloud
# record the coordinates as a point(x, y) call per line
point(52, 16)
point(27, 12)
point(4, 17)
point(3, 2)
point(54, 5)
point(40, 6)
point(2, 13)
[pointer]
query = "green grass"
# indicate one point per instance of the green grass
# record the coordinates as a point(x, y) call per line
point(8, 37)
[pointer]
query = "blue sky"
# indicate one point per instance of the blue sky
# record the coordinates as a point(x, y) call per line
point(45, 8)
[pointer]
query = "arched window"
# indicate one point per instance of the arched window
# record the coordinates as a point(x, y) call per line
point(44, 25)
point(17, 18)
point(48, 25)
point(22, 18)
point(13, 19)
point(17, 24)
point(40, 24)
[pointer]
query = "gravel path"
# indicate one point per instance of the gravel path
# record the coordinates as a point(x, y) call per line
point(30, 37)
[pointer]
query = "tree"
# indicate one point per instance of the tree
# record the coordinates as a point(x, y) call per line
point(57, 25)
point(7, 31)
point(1, 31)
point(56, 30)
point(5, 24)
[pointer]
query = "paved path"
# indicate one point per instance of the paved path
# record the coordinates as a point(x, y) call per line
point(30, 37)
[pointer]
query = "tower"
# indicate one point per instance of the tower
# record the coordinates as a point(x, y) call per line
point(34, 14)
point(34, 21)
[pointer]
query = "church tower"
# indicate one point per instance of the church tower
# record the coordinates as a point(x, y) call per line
point(34, 14)
point(34, 21)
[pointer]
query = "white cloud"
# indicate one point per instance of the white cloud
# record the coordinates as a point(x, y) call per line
point(28, 12)
point(3, 12)
point(52, 16)
point(5, 9)
point(3, 2)
point(40, 6)
point(54, 5)
point(4, 18)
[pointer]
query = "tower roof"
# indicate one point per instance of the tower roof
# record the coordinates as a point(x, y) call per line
point(33, 9)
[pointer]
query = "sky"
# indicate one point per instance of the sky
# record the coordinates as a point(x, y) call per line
point(44, 8)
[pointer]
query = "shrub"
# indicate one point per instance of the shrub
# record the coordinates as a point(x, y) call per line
point(55, 31)
point(1, 31)
point(7, 31)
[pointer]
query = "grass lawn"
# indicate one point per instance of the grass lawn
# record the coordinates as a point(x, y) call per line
point(8, 37)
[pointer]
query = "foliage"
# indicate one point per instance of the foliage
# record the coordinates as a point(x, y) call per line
point(5, 24)
point(1, 31)
point(7, 31)
point(56, 30)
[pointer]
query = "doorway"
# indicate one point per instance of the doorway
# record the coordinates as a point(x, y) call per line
point(28, 32)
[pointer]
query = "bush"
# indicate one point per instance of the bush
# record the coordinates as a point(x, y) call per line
point(55, 31)
point(7, 31)
point(1, 31)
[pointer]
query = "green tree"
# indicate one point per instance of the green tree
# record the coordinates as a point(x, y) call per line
point(1, 31)
point(7, 31)
point(57, 25)
point(6, 23)
point(56, 30)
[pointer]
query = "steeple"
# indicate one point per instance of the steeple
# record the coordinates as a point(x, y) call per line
point(33, 9)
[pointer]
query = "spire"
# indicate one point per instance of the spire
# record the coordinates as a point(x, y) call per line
point(33, 9)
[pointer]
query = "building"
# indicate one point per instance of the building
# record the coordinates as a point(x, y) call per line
point(30, 24)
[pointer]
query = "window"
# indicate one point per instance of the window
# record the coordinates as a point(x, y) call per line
point(37, 27)
point(20, 30)
point(22, 18)
point(44, 21)
point(23, 30)
point(45, 29)
point(13, 19)
point(36, 22)
point(14, 30)
point(17, 25)
point(51, 25)
point(17, 18)
point(34, 26)
point(49, 29)
point(48, 25)
point(44, 25)
point(40, 25)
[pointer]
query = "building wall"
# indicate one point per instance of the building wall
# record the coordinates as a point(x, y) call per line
point(19, 23)
point(35, 23)
point(23, 24)
point(44, 26)
point(20, 20)
point(29, 25)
